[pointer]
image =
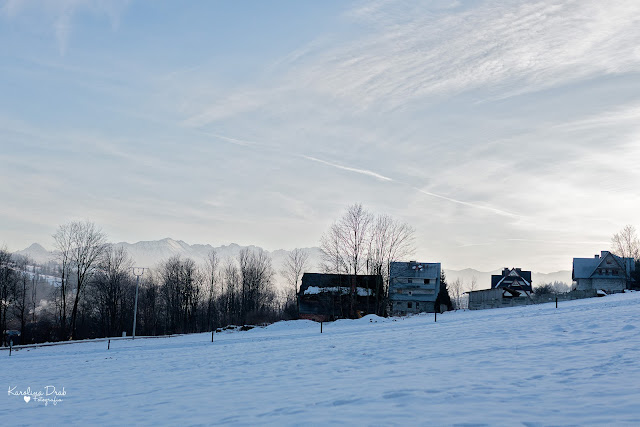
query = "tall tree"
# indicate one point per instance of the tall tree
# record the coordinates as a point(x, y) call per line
point(390, 240)
point(361, 242)
point(212, 278)
point(22, 291)
point(626, 244)
point(8, 285)
point(84, 244)
point(63, 243)
point(256, 278)
point(333, 256)
point(443, 297)
point(294, 265)
point(109, 287)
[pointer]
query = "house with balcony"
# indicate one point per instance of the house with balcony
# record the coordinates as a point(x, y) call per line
point(607, 272)
point(413, 287)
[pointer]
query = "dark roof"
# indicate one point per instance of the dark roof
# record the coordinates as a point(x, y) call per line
point(514, 278)
point(321, 280)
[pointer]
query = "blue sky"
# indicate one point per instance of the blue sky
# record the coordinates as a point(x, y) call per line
point(505, 132)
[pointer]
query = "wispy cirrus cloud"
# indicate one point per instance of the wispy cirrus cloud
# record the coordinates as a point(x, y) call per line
point(59, 15)
point(415, 51)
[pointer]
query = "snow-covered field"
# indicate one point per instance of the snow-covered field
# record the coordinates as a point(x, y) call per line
point(537, 365)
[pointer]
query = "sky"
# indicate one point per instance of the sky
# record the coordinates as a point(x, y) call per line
point(505, 132)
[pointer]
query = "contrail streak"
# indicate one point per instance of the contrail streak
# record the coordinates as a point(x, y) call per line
point(360, 171)
point(428, 193)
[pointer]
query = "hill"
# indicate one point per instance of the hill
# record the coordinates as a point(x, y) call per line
point(533, 365)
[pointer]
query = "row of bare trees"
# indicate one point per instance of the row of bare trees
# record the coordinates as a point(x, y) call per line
point(93, 292)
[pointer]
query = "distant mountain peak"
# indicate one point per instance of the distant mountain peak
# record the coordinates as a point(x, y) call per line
point(36, 247)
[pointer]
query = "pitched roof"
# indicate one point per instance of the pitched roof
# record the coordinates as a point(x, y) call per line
point(584, 268)
point(512, 278)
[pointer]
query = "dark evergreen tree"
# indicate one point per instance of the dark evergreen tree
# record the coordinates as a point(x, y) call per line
point(443, 297)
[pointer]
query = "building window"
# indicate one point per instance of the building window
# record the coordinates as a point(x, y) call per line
point(408, 305)
point(426, 281)
point(409, 280)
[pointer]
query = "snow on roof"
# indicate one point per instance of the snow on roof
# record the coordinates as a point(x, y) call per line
point(314, 290)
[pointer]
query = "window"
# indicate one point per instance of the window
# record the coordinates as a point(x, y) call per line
point(409, 280)
point(408, 305)
point(426, 281)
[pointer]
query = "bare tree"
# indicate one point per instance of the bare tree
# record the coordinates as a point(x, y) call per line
point(63, 242)
point(625, 244)
point(230, 295)
point(256, 278)
point(80, 245)
point(212, 277)
point(361, 242)
point(35, 279)
point(333, 260)
point(294, 266)
point(473, 285)
point(109, 289)
point(8, 286)
point(457, 288)
point(181, 283)
point(21, 292)
point(390, 240)
point(355, 225)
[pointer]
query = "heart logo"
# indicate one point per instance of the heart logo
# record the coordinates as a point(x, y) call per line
point(27, 399)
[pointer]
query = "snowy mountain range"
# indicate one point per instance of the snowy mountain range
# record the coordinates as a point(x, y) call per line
point(150, 253)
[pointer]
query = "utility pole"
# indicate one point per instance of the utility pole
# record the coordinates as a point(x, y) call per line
point(137, 271)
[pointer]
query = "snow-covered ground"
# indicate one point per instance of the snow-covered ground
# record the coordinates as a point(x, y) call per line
point(535, 365)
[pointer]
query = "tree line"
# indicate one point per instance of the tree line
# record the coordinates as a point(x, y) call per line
point(94, 290)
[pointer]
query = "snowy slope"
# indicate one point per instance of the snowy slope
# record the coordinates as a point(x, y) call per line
point(536, 365)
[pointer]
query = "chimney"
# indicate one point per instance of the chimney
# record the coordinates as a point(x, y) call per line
point(597, 256)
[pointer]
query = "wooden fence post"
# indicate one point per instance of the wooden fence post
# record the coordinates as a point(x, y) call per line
point(109, 345)
point(320, 326)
